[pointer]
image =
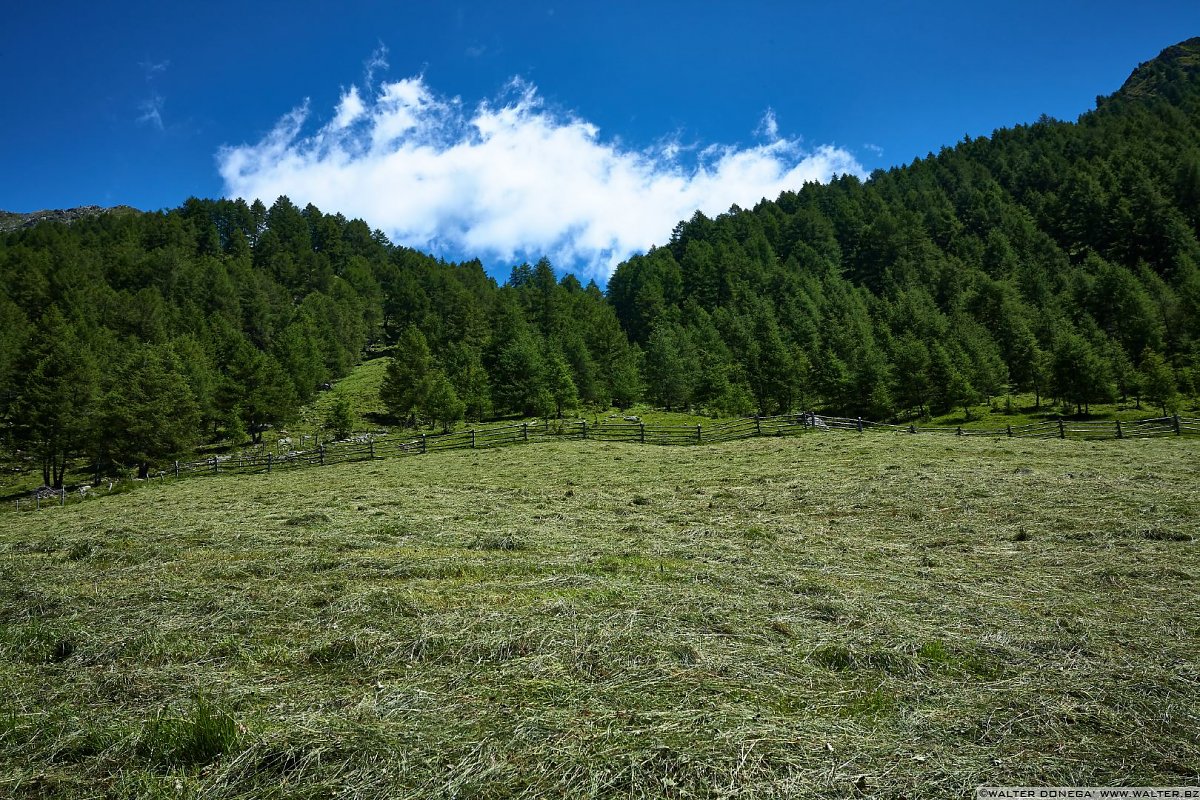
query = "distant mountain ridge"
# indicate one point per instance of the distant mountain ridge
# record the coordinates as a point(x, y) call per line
point(12, 220)
point(1175, 65)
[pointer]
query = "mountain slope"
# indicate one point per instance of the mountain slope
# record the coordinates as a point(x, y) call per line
point(12, 221)
point(1055, 259)
point(1051, 258)
point(1173, 66)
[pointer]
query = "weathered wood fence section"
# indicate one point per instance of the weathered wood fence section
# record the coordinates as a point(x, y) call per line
point(393, 446)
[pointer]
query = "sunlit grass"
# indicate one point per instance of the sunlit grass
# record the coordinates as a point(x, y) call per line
point(811, 616)
point(1024, 409)
point(360, 388)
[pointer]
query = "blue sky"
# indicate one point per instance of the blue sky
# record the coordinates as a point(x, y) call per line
point(579, 130)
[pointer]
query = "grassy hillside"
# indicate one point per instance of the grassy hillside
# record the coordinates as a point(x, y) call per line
point(360, 388)
point(822, 616)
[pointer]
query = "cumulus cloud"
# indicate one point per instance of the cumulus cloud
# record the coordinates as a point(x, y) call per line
point(509, 179)
point(350, 108)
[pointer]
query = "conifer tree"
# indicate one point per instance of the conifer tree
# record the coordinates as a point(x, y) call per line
point(405, 377)
point(1158, 381)
point(951, 381)
point(339, 419)
point(912, 373)
point(438, 402)
point(464, 367)
point(149, 417)
point(625, 377)
point(560, 384)
point(520, 378)
point(668, 369)
point(268, 398)
point(774, 371)
point(53, 410)
point(1081, 375)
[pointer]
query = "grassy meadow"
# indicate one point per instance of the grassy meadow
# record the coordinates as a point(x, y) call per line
point(821, 616)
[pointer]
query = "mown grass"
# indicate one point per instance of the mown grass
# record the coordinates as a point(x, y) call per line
point(360, 388)
point(821, 616)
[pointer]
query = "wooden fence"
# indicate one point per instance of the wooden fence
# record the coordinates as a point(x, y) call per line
point(392, 446)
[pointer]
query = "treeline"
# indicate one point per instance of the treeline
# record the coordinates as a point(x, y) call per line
point(536, 346)
point(1057, 259)
point(126, 340)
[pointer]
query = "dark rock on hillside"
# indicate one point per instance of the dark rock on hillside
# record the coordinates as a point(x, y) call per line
point(11, 221)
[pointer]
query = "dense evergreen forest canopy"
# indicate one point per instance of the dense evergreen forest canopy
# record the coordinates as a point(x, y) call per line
point(128, 339)
point(1056, 259)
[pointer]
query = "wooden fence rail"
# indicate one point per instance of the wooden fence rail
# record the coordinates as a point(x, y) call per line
point(388, 446)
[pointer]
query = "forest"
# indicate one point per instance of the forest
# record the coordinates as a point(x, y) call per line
point(1059, 260)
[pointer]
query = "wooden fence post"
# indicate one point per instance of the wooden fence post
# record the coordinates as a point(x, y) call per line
point(1010, 431)
point(422, 444)
point(525, 431)
point(699, 435)
point(321, 453)
point(585, 429)
point(959, 431)
point(1062, 429)
point(268, 463)
point(757, 425)
point(1178, 431)
point(176, 469)
point(912, 428)
point(62, 496)
point(860, 424)
point(472, 438)
point(1120, 435)
point(215, 462)
point(371, 447)
point(643, 432)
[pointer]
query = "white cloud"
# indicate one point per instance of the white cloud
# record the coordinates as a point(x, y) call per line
point(151, 112)
point(350, 108)
point(769, 126)
point(376, 63)
point(509, 179)
point(150, 67)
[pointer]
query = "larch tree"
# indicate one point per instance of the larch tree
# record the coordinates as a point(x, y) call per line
point(53, 410)
point(149, 416)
